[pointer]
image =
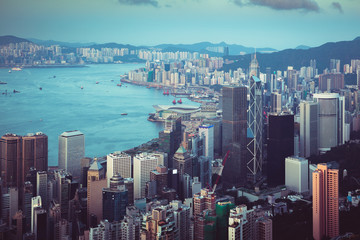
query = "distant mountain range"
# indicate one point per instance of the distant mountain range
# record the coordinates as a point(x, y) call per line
point(63, 44)
point(5, 40)
point(344, 50)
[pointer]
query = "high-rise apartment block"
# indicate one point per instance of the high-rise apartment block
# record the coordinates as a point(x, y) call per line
point(309, 129)
point(234, 134)
point(71, 151)
point(325, 183)
point(206, 132)
point(296, 174)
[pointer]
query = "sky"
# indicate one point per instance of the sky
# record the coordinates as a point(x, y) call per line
point(279, 24)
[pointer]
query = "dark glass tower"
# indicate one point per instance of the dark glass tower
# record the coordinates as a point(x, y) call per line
point(114, 203)
point(234, 134)
point(280, 146)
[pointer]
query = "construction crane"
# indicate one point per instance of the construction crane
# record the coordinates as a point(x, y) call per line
point(220, 171)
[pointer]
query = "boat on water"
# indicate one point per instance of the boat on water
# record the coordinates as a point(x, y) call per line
point(15, 91)
point(174, 102)
point(97, 82)
point(40, 88)
point(179, 101)
point(124, 114)
point(119, 84)
point(16, 69)
point(82, 87)
point(3, 82)
point(10, 71)
point(166, 92)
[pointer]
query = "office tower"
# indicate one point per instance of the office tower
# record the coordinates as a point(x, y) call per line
point(71, 151)
point(204, 171)
point(19, 221)
point(26, 207)
point(10, 158)
point(296, 174)
point(234, 134)
point(217, 123)
point(160, 176)
point(313, 66)
point(331, 81)
point(280, 146)
point(114, 202)
point(129, 184)
point(34, 152)
point(107, 230)
point(358, 77)
point(195, 186)
point(254, 69)
point(331, 116)
point(96, 182)
point(85, 165)
point(40, 223)
point(206, 132)
point(276, 105)
point(309, 128)
point(63, 182)
point(255, 128)
point(118, 162)
point(41, 187)
point(35, 203)
point(183, 163)
point(143, 165)
point(325, 183)
point(292, 77)
point(9, 204)
point(182, 219)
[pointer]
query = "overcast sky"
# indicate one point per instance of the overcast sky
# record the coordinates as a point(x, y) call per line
point(254, 23)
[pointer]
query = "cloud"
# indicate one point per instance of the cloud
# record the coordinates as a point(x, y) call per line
point(140, 2)
point(337, 6)
point(308, 5)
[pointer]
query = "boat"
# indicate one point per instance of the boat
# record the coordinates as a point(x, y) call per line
point(82, 87)
point(15, 91)
point(97, 82)
point(124, 114)
point(119, 84)
point(10, 71)
point(54, 76)
point(16, 69)
point(179, 101)
point(166, 92)
point(40, 88)
point(3, 82)
point(174, 102)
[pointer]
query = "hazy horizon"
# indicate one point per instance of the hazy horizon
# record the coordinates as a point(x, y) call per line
point(278, 24)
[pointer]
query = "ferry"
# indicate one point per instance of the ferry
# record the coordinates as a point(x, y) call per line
point(166, 92)
point(119, 84)
point(3, 82)
point(124, 114)
point(16, 69)
point(179, 101)
point(174, 102)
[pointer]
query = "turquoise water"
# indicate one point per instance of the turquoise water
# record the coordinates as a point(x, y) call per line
point(95, 110)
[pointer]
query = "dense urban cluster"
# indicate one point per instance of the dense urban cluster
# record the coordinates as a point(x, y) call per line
point(224, 170)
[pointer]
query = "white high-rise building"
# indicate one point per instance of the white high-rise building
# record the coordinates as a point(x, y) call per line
point(206, 132)
point(35, 203)
point(276, 105)
point(309, 128)
point(71, 151)
point(143, 164)
point(118, 162)
point(41, 187)
point(296, 174)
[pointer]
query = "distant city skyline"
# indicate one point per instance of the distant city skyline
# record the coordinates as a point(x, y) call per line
point(278, 24)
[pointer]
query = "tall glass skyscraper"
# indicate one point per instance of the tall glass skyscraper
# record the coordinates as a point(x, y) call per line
point(234, 134)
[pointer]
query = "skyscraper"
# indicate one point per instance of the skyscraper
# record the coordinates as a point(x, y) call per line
point(10, 158)
point(296, 174)
point(114, 202)
point(255, 126)
point(325, 202)
point(309, 129)
point(276, 105)
point(71, 151)
point(206, 131)
point(331, 120)
point(280, 146)
point(143, 165)
point(41, 187)
point(234, 134)
point(254, 69)
point(118, 162)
